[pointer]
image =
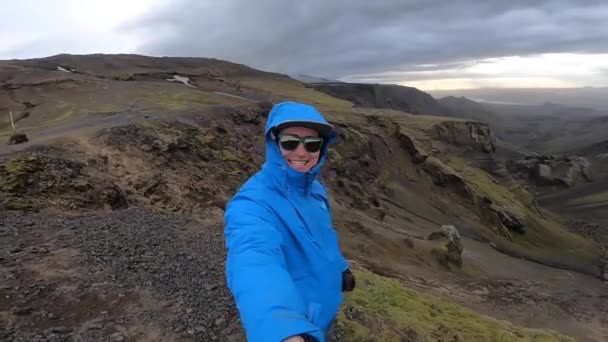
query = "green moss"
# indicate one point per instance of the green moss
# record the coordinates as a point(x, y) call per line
point(228, 155)
point(382, 309)
point(484, 185)
point(18, 205)
point(204, 139)
point(15, 175)
point(102, 108)
point(291, 90)
point(185, 99)
point(545, 239)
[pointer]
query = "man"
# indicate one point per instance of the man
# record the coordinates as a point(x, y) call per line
point(284, 265)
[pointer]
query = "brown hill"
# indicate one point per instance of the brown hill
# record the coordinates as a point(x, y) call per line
point(406, 99)
point(113, 211)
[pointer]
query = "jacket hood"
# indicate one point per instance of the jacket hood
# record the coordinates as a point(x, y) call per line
point(292, 112)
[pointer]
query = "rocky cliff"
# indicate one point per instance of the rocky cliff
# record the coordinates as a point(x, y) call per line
point(547, 170)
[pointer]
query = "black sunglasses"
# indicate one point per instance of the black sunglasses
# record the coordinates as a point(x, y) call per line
point(290, 142)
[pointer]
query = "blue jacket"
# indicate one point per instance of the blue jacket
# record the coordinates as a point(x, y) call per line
point(284, 265)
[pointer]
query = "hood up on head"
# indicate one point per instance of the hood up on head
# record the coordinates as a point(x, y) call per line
point(287, 114)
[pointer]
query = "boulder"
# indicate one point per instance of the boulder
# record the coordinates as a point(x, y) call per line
point(451, 247)
point(18, 138)
point(549, 170)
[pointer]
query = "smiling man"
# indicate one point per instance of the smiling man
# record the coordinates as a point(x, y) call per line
point(284, 265)
point(301, 157)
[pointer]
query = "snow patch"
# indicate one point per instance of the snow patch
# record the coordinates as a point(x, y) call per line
point(182, 79)
point(60, 68)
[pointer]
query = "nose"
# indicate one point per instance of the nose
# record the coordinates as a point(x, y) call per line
point(300, 150)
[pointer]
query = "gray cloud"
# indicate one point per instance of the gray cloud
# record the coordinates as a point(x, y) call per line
point(353, 37)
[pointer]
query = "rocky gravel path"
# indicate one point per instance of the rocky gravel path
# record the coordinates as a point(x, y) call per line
point(134, 274)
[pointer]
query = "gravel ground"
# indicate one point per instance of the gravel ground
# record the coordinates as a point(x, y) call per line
point(133, 274)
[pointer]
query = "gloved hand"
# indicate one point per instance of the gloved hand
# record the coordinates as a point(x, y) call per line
point(348, 281)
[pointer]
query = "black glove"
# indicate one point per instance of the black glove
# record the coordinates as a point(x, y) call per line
point(348, 281)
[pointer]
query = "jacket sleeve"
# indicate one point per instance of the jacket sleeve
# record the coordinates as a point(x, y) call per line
point(269, 304)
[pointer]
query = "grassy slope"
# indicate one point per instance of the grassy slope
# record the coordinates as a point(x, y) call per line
point(382, 309)
point(546, 239)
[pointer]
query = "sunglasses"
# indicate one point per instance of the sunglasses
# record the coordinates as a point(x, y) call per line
point(290, 142)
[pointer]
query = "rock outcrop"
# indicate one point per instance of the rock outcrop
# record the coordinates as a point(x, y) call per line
point(441, 174)
point(508, 219)
point(466, 134)
point(451, 247)
point(562, 170)
point(18, 138)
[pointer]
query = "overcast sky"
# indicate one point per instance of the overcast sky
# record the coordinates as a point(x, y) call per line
point(431, 44)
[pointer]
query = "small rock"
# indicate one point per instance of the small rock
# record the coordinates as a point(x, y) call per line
point(22, 311)
point(51, 316)
point(117, 337)
point(220, 322)
point(61, 330)
point(95, 326)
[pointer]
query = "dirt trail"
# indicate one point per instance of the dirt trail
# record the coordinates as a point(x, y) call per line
point(77, 127)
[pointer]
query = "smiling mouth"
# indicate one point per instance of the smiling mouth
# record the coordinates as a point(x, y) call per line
point(298, 162)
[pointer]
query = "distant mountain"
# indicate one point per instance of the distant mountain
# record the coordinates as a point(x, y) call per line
point(549, 128)
point(463, 107)
point(588, 97)
point(312, 79)
point(396, 97)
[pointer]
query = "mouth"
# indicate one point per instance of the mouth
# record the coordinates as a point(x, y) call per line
point(298, 164)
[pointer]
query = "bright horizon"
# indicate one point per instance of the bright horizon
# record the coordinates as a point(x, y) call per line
point(553, 45)
point(566, 70)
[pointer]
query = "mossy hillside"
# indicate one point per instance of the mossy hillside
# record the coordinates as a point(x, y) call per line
point(283, 90)
point(15, 173)
point(184, 99)
point(545, 240)
point(382, 309)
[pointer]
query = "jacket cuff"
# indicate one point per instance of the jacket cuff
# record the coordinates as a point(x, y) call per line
point(279, 330)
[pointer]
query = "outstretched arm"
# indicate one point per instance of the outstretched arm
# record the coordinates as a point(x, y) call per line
point(269, 303)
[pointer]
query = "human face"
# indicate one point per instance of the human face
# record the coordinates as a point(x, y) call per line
point(300, 159)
